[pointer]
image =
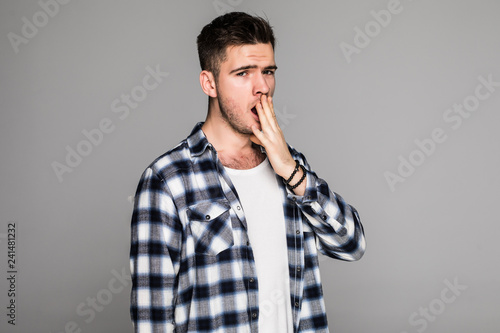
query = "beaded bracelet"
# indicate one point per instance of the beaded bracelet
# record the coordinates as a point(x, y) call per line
point(293, 173)
point(301, 179)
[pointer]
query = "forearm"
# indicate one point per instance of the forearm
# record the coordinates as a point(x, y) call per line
point(335, 223)
point(296, 179)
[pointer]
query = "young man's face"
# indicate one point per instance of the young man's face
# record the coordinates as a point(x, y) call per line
point(247, 74)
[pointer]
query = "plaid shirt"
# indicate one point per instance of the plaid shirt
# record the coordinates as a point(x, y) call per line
point(191, 261)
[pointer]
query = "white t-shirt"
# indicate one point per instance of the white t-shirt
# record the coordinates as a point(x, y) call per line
point(262, 202)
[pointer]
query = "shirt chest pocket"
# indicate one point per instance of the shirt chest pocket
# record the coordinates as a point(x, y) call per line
point(210, 224)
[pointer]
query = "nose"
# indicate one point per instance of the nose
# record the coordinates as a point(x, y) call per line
point(261, 86)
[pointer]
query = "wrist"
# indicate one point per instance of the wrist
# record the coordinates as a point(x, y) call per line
point(298, 180)
point(290, 172)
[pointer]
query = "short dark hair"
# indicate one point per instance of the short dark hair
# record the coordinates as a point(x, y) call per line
point(231, 29)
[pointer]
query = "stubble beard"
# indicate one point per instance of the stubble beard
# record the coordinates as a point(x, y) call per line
point(230, 115)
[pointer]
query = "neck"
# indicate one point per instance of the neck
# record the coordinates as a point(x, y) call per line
point(235, 150)
point(223, 137)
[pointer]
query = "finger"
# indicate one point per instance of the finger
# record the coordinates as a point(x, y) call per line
point(255, 140)
point(258, 137)
point(273, 114)
point(271, 105)
point(269, 111)
point(263, 116)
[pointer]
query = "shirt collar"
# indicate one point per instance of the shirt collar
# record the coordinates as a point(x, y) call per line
point(197, 141)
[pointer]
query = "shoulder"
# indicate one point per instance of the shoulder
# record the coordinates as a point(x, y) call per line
point(171, 162)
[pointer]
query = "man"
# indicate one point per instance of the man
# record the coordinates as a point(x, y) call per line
point(227, 225)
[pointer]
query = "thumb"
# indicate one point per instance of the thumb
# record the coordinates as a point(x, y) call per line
point(255, 140)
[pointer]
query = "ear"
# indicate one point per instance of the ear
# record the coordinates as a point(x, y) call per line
point(207, 82)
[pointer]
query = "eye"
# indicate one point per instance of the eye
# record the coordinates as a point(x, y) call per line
point(241, 74)
point(268, 72)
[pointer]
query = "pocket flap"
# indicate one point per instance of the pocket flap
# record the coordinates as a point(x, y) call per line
point(207, 211)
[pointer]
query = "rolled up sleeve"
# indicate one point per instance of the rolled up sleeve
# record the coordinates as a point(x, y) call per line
point(336, 224)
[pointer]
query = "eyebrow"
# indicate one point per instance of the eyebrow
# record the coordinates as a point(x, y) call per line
point(242, 68)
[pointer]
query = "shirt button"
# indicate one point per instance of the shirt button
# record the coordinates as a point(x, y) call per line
point(254, 315)
point(238, 207)
point(248, 243)
point(296, 304)
point(297, 232)
point(251, 280)
point(294, 199)
point(207, 217)
point(323, 217)
point(298, 269)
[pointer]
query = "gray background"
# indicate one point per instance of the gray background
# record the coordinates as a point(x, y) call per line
point(353, 120)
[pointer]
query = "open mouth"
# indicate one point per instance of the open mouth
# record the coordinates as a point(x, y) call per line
point(255, 114)
point(254, 111)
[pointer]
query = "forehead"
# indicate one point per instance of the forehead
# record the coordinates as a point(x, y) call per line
point(249, 54)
